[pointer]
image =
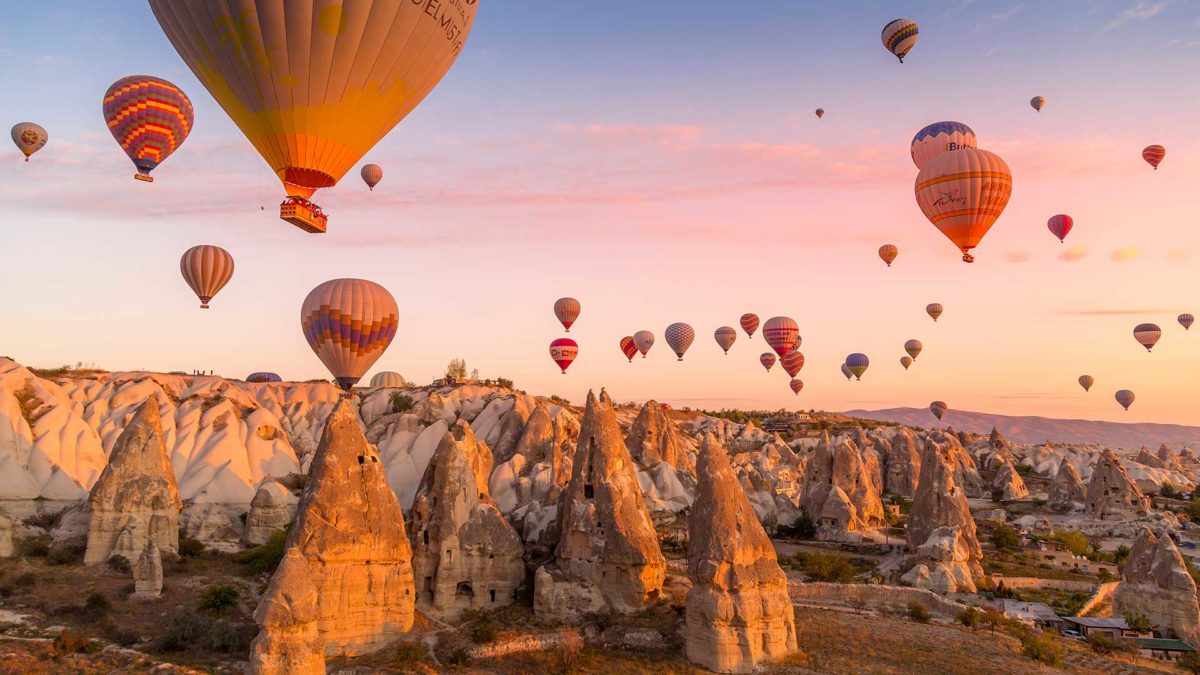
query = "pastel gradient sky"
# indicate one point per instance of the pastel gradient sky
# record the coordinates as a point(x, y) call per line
point(660, 162)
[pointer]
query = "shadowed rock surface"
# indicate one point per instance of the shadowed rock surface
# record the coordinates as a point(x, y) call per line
point(1067, 490)
point(940, 527)
point(1156, 584)
point(1112, 494)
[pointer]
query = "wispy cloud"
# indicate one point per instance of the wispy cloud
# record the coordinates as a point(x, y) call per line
point(1074, 253)
point(1126, 253)
point(1016, 256)
point(1178, 255)
point(1139, 12)
point(1110, 312)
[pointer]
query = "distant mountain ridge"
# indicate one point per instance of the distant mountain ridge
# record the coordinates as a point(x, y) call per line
point(1031, 429)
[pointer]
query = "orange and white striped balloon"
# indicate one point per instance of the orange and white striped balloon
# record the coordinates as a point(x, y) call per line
point(725, 337)
point(749, 322)
point(566, 310)
point(206, 269)
point(963, 193)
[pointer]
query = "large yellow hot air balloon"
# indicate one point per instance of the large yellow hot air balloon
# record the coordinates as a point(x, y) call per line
point(963, 193)
point(314, 84)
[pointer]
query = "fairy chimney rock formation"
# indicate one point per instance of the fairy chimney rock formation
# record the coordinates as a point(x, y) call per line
point(270, 512)
point(653, 439)
point(288, 642)
point(349, 542)
point(1067, 490)
point(903, 463)
point(738, 611)
point(1112, 494)
point(148, 573)
point(607, 559)
point(839, 491)
point(135, 501)
point(1007, 483)
point(1156, 584)
point(465, 554)
point(940, 527)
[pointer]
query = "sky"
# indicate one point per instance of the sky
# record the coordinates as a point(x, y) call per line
point(660, 162)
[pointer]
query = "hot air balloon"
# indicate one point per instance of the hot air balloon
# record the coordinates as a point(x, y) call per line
point(846, 371)
point(1086, 381)
point(1147, 334)
point(315, 85)
point(725, 335)
point(796, 342)
point(371, 175)
point(820, 113)
point(263, 377)
point(1125, 398)
point(749, 323)
point(938, 408)
point(792, 362)
point(1037, 102)
point(781, 332)
point(796, 385)
point(899, 36)
point(644, 340)
point(906, 361)
point(1060, 225)
point(934, 310)
point(206, 269)
point(149, 117)
point(767, 359)
point(679, 338)
point(388, 378)
point(1186, 320)
point(564, 351)
point(1153, 154)
point(857, 363)
point(888, 253)
point(629, 347)
point(349, 323)
point(567, 310)
point(963, 193)
point(940, 137)
point(29, 137)
point(913, 347)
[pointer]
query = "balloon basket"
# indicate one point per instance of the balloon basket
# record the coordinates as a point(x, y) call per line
point(143, 178)
point(303, 214)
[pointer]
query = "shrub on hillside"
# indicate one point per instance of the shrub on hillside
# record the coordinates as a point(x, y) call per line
point(1042, 648)
point(1005, 538)
point(827, 567)
point(218, 598)
point(918, 612)
point(264, 559)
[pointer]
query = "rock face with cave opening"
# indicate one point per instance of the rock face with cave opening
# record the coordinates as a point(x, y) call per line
point(349, 546)
point(1067, 490)
point(465, 554)
point(940, 527)
point(738, 612)
point(1156, 584)
point(1112, 494)
point(607, 559)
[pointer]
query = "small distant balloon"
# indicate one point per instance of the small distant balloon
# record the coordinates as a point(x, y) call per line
point(1086, 381)
point(846, 371)
point(263, 377)
point(564, 351)
point(820, 113)
point(679, 338)
point(629, 347)
point(1147, 334)
point(1153, 154)
point(767, 359)
point(899, 36)
point(566, 310)
point(934, 310)
point(749, 323)
point(938, 408)
point(1186, 320)
point(388, 378)
point(906, 361)
point(29, 138)
point(1037, 102)
point(1125, 398)
point(781, 332)
point(938, 138)
point(725, 337)
point(913, 347)
point(644, 340)
point(888, 253)
point(1060, 225)
point(796, 385)
point(857, 363)
point(371, 175)
point(792, 362)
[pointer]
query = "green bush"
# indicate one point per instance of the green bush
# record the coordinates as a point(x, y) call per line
point(1140, 623)
point(827, 567)
point(1189, 662)
point(970, 617)
point(401, 403)
point(264, 559)
point(1103, 644)
point(1005, 538)
point(408, 654)
point(484, 630)
point(1076, 542)
point(35, 547)
point(189, 630)
point(1042, 648)
point(190, 548)
point(918, 612)
point(67, 643)
point(26, 580)
point(218, 598)
point(66, 555)
point(803, 528)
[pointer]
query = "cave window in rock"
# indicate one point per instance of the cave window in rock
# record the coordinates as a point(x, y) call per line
point(589, 492)
point(464, 589)
point(492, 595)
point(425, 533)
point(449, 555)
point(362, 459)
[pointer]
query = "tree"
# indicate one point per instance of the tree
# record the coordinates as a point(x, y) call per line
point(457, 369)
point(474, 373)
point(992, 618)
point(1140, 623)
point(1189, 662)
point(1076, 542)
point(970, 617)
point(1005, 538)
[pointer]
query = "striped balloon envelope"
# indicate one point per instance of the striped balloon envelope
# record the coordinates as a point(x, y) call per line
point(940, 137)
point(1153, 154)
point(388, 378)
point(781, 332)
point(679, 338)
point(263, 376)
point(1147, 334)
point(349, 323)
point(149, 117)
point(371, 175)
point(749, 323)
point(899, 37)
point(206, 269)
point(934, 310)
point(796, 385)
point(1060, 225)
point(725, 337)
point(566, 310)
point(564, 351)
point(767, 359)
point(963, 193)
point(792, 362)
point(913, 347)
point(644, 340)
point(29, 137)
point(1186, 320)
point(629, 347)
